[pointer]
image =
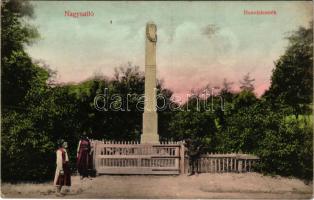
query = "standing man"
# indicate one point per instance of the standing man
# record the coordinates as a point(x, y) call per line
point(63, 174)
point(194, 147)
point(83, 156)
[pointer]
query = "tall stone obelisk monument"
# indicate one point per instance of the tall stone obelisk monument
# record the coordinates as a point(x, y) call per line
point(150, 118)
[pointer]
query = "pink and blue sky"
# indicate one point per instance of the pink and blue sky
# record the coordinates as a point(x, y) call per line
point(189, 53)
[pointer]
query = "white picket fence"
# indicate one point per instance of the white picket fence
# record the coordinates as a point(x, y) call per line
point(131, 157)
point(224, 162)
point(112, 157)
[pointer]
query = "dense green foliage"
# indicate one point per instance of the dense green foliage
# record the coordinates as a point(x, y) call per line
point(292, 78)
point(37, 114)
point(196, 126)
point(23, 143)
point(289, 150)
point(283, 142)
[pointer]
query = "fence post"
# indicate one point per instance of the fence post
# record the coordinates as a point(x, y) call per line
point(95, 153)
point(240, 165)
point(245, 165)
point(182, 158)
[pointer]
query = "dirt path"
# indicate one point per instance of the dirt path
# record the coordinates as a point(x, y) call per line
point(228, 185)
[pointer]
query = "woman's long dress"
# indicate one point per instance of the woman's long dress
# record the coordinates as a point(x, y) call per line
point(62, 165)
point(83, 158)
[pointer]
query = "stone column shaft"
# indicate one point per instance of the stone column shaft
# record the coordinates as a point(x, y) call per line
point(150, 118)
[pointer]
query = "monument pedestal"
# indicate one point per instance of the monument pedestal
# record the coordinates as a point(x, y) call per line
point(150, 123)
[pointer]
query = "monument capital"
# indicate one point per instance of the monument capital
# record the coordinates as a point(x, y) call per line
point(151, 31)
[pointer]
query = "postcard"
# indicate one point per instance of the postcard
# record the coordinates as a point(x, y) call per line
point(157, 100)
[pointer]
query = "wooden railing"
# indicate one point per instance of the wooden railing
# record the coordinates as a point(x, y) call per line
point(223, 162)
point(112, 157)
point(131, 157)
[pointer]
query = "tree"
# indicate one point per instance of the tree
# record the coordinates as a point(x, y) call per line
point(27, 143)
point(226, 86)
point(124, 91)
point(244, 99)
point(18, 74)
point(197, 126)
point(14, 32)
point(287, 148)
point(292, 78)
point(247, 83)
point(282, 142)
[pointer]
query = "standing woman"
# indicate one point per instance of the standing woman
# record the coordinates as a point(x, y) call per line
point(63, 174)
point(83, 154)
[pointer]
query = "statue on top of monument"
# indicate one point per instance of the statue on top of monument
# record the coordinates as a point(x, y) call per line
point(151, 32)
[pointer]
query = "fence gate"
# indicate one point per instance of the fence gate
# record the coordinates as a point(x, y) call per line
point(134, 158)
